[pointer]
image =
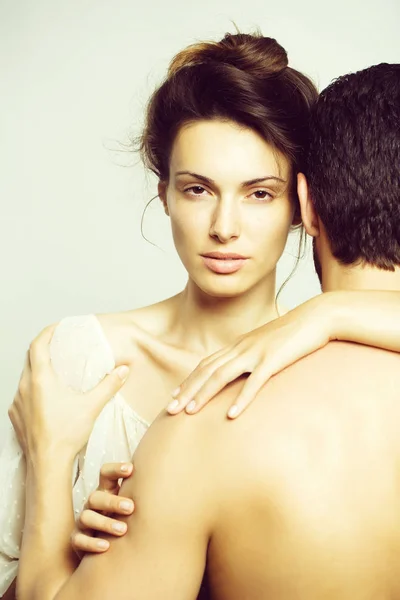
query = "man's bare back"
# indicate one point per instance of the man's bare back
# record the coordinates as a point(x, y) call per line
point(316, 510)
point(297, 499)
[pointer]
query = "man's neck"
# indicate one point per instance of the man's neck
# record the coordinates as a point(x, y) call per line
point(339, 277)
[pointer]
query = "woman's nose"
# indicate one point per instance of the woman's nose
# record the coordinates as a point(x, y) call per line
point(225, 224)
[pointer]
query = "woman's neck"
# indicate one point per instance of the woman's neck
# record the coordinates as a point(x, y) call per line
point(203, 324)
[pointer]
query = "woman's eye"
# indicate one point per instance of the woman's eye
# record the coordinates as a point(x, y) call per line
point(262, 195)
point(195, 190)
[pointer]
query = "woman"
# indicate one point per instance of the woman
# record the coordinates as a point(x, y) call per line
point(225, 135)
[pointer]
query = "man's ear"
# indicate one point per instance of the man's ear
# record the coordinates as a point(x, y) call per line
point(308, 212)
point(162, 193)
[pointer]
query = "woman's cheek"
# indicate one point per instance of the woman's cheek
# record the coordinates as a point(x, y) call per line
point(272, 233)
point(190, 219)
point(186, 233)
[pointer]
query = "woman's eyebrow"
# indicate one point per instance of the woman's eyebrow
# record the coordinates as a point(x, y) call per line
point(244, 183)
point(196, 176)
point(261, 179)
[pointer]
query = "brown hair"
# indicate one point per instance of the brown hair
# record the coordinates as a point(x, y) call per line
point(243, 78)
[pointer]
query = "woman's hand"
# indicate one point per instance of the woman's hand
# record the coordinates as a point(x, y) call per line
point(262, 353)
point(103, 502)
point(46, 414)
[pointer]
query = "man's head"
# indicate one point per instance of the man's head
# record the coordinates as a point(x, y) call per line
point(353, 171)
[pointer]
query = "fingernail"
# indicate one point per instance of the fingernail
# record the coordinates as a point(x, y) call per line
point(126, 506)
point(123, 372)
point(125, 468)
point(233, 411)
point(176, 392)
point(102, 544)
point(191, 406)
point(120, 527)
point(172, 405)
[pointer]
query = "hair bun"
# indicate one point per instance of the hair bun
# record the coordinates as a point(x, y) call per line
point(260, 56)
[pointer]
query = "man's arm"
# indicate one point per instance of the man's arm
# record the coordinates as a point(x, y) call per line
point(163, 555)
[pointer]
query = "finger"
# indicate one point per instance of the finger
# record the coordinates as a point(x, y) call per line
point(217, 381)
point(39, 355)
point(13, 416)
point(27, 362)
point(107, 388)
point(202, 364)
point(90, 519)
point(82, 543)
point(249, 391)
point(111, 473)
point(19, 432)
point(15, 419)
point(17, 401)
point(104, 501)
point(25, 378)
point(196, 381)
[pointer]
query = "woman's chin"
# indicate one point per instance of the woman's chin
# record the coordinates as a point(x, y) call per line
point(224, 287)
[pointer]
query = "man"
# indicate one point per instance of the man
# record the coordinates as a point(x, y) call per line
point(299, 498)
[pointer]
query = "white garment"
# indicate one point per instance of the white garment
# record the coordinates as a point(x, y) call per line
point(81, 355)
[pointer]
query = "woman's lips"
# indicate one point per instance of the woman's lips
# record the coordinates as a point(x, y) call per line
point(224, 266)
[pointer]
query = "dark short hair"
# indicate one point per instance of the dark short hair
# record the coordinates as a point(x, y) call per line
point(353, 165)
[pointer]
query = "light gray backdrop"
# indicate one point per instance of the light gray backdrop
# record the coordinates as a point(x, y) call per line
point(74, 80)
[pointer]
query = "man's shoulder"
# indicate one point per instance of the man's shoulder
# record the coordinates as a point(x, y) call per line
point(309, 409)
point(291, 417)
point(315, 387)
point(295, 408)
point(338, 364)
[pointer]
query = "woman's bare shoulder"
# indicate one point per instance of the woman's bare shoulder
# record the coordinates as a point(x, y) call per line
point(127, 330)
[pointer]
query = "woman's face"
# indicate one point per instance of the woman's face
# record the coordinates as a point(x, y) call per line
point(228, 197)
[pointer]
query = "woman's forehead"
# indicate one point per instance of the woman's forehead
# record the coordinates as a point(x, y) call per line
point(222, 149)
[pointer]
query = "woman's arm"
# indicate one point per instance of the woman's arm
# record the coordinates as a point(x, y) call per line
point(46, 488)
point(365, 317)
point(52, 423)
point(47, 560)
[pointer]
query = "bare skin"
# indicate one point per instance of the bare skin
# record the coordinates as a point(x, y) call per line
point(156, 365)
point(164, 342)
point(296, 499)
point(175, 523)
point(324, 519)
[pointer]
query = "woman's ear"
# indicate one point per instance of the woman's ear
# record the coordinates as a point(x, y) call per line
point(162, 193)
point(308, 212)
